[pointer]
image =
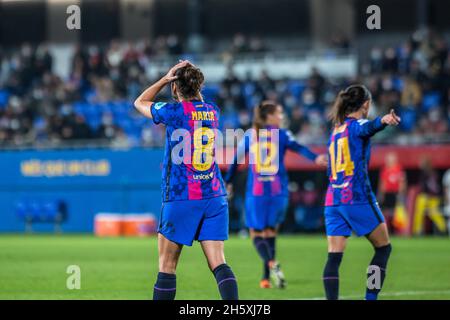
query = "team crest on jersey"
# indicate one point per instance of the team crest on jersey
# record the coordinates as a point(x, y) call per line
point(159, 105)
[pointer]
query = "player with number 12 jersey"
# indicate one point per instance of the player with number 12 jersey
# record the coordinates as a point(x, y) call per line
point(266, 198)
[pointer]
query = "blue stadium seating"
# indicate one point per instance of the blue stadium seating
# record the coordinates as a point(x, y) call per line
point(126, 117)
point(409, 119)
point(296, 88)
point(41, 211)
point(4, 97)
point(430, 101)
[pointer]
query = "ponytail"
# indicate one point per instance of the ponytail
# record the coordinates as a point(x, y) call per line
point(337, 114)
point(348, 101)
point(260, 114)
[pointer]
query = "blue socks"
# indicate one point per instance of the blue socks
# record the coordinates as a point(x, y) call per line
point(226, 281)
point(165, 287)
point(271, 243)
point(331, 275)
point(263, 248)
point(380, 260)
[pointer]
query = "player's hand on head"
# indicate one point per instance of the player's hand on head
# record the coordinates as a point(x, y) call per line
point(170, 76)
point(391, 119)
point(322, 160)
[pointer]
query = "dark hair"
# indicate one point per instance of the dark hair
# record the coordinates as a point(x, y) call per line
point(189, 81)
point(261, 112)
point(348, 101)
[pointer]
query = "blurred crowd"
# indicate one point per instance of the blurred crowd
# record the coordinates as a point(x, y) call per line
point(412, 78)
point(39, 107)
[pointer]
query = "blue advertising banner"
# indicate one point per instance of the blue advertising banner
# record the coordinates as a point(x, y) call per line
point(87, 181)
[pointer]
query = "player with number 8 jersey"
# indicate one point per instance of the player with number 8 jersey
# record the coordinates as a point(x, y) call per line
point(194, 203)
point(197, 177)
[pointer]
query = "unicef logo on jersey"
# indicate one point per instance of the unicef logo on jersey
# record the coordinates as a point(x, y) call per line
point(159, 105)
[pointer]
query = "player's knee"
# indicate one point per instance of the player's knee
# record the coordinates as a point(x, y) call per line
point(167, 264)
point(336, 247)
point(256, 233)
point(270, 232)
point(215, 262)
point(379, 243)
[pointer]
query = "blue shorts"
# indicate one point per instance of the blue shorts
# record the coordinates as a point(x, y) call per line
point(265, 212)
point(361, 219)
point(185, 221)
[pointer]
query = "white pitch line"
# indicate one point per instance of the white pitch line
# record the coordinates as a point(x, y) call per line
point(388, 294)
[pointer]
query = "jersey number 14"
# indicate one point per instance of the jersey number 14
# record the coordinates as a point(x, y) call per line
point(343, 161)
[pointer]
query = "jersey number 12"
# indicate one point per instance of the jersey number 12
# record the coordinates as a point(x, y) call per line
point(266, 157)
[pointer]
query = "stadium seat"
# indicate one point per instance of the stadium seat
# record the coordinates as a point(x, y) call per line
point(430, 101)
point(4, 98)
point(22, 210)
point(39, 122)
point(49, 211)
point(210, 92)
point(93, 122)
point(398, 83)
point(34, 211)
point(105, 107)
point(296, 88)
point(409, 118)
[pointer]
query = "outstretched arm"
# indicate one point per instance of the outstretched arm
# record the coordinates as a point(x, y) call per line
point(367, 129)
point(147, 98)
point(241, 152)
point(293, 145)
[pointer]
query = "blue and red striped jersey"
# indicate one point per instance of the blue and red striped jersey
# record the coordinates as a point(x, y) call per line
point(190, 171)
point(348, 161)
point(267, 175)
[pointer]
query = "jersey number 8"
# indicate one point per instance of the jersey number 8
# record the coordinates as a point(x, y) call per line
point(202, 158)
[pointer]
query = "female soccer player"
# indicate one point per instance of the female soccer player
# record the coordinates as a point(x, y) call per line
point(350, 204)
point(194, 204)
point(267, 194)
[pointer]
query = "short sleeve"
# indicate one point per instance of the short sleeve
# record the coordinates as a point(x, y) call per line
point(166, 113)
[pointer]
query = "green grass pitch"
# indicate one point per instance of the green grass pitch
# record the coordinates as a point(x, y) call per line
point(34, 267)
